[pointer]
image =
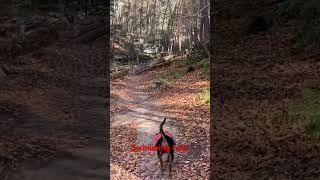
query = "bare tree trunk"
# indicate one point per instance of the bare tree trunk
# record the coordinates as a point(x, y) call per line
point(165, 13)
point(180, 43)
point(154, 21)
point(140, 18)
point(171, 45)
point(148, 18)
point(181, 23)
point(204, 21)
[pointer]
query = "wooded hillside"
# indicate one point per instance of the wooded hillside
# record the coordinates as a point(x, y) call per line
point(266, 89)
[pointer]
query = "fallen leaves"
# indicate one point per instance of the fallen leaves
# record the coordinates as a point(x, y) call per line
point(44, 83)
point(180, 100)
point(257, 75)
point(14, 150)
point(122, 160)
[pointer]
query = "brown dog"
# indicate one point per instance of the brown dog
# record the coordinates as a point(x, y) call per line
point(166, 144)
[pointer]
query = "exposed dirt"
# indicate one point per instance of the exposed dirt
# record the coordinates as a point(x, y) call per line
point(148, 118)
point(134, 101)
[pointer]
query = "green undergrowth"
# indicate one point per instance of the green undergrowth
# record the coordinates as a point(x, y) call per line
point(305, 13)
point(164, 82)
point(305, 113)
point(203, 64)
point(181, 68)
point(205, 67)
point(309, 111)
point(205, 97)
point(166, 78)
point(184, 66)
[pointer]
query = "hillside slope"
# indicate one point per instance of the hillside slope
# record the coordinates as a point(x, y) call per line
point(260, 75)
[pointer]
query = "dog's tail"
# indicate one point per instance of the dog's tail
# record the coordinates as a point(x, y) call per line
point(161, 125)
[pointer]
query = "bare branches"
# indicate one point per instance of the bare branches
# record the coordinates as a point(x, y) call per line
point(175, 24)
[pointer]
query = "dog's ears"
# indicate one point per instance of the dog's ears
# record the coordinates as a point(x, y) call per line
point(165, 119)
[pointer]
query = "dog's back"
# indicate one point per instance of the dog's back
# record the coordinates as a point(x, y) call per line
point(165, 141)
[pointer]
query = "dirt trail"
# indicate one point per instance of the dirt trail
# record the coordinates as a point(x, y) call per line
point(148, 117)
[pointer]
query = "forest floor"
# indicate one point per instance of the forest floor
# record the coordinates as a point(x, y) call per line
point(136, 112)
point(259, 78)
point(53, 112)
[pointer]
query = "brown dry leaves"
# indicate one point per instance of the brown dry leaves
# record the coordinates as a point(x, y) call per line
point(120, 92)
point(259, 74)
point(122, 159)
point(14, 150)
point(45, 83)
point(43, 102)
point(181, 100)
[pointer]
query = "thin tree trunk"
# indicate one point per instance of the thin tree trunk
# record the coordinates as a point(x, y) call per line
point(140, 18)
point(204, 21)
point(180, 43)
point(165, 13)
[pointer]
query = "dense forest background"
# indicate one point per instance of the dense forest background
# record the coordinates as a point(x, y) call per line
point(165, 22)
point(172, 26)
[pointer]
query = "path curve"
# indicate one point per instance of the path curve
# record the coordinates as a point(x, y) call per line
point(147, 115)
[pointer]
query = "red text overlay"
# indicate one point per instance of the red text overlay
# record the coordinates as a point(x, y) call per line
point(180, 148)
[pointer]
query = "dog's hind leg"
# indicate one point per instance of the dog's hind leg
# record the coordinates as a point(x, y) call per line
point(160, 158)
point(161, 162)
point(172, 156)
point(170, 164)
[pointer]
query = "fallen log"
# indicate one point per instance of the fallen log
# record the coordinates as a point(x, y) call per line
point(91, 36)
point(162, 61)
point(80, 30)
point(158, 63)
point(88, 28)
